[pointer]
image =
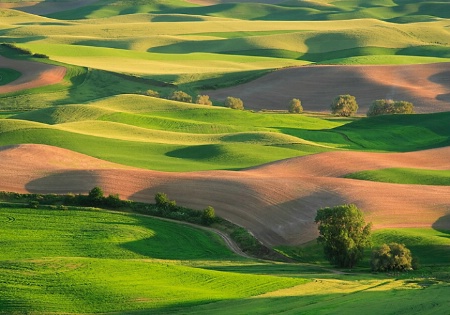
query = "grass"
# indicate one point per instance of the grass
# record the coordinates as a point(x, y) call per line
point(164, 135)
point(8, 75)
point(95, 261)
point(75, 261)
point(429, 245)
point(405, 176)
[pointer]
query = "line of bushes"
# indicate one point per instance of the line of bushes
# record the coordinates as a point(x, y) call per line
point(163, 208)
point(23, 51)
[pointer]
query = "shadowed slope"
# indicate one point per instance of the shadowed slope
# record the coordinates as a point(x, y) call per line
point(426, 86)
point(276, 202)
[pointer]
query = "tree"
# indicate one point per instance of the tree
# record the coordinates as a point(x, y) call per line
point(203, 100)
point(152, 93)
point(386, 107)
point(96, 196)
point(208, 216)
point(234, 103)
point(181, 96)
point(164, 202)
point(344, 105)
point(343, 233)
point(391, 257)
point(295, 106)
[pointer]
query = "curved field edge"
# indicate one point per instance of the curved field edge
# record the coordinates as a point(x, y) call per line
point(405, 176)
point(98, 261)
point(116, 283)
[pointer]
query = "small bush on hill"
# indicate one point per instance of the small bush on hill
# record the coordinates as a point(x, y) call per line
point(208, 216)
point(43, 56)
point(164, 202)
point(390, 257)
point(344, 105)
point(234, 103)
point(181, 96)
point(295, 106)
point(387, 107)
point(152, 93)
point(203, 100)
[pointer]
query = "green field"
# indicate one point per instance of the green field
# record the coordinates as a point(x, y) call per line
point(95, 261)
point(73, 261)
point(8, 75)
point(405, 176)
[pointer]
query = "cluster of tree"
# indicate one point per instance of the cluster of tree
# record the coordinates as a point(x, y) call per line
point(387, 107)
point(181, 96)
point(346, 105)
point(392, 257)
point(345, 236)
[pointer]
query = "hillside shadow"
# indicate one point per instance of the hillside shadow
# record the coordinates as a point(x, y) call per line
point(443, 79)
point(243, 203)
point(65, 182)
point(442, 224)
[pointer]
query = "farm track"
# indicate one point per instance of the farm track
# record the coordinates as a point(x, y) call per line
point(427, 86)
point(277, 202)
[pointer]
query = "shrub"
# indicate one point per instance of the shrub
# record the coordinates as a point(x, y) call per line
point(386, 107)
point(343, 233)
point(203, 100)
point(208, 216)
point(391, 257)
point(152, 93)
point(344, 105)
point(181, 96)
point(295, 106)
point(234, 103)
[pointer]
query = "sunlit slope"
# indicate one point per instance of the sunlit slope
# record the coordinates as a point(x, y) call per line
point(404, 11)
point(158, 134)
point(103, 262)
point(163, 135)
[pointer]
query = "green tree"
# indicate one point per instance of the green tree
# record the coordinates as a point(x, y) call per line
point(234, 103)
point(164, 202)
point(343, 233)
point(203, 100)
point(181, 96)
point(295, 106)
point(161, 199)
point(208, 216)
point(390, 257)
point(344, 105)
point(96, 197)
point(387, 107)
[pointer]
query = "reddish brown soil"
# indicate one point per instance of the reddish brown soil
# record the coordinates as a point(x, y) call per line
point(34, 74)
point(276, 202)
point(426, 86)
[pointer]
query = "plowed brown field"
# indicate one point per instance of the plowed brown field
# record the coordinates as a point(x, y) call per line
point(276, 202)
point(34, 74)
point(426, 86)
